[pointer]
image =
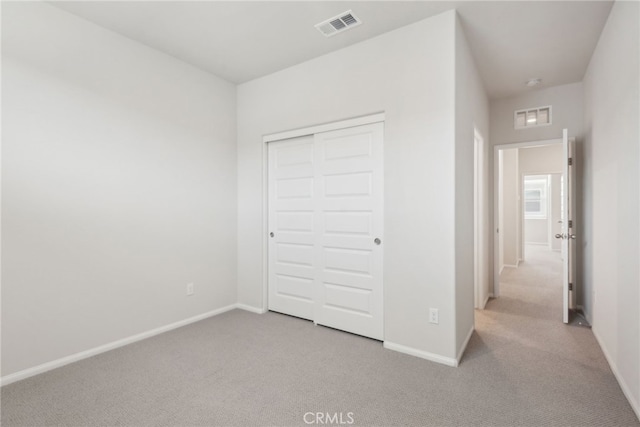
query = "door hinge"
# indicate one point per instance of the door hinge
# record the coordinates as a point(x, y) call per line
point(570, 161)
point(570, 286)
point(570, 223)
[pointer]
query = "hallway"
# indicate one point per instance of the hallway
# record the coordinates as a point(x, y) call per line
point(534, 289)
point(556, 367)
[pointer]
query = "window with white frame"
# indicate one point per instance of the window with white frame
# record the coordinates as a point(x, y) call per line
point(535, 196)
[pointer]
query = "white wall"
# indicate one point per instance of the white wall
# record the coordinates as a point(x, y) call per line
point(536, 231)
point(472, 111)
point(540, 160)
point(118, 186)
point(612, 232)
point(510, 212)
point(566, 102)
point(409, 74)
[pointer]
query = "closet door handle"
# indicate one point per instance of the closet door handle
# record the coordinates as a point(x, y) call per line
point(377, 241)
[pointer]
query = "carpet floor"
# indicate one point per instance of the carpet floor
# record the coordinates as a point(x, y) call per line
point(523, 367)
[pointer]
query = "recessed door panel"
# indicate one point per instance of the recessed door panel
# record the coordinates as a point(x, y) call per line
point(348, 147)
point(348, 184)
point(295, 221)
point(294, 287)
point(351, 300)
point(348, 223)
point(294, 188)
point(296, 155)
point(295, 253)
point(350, 261)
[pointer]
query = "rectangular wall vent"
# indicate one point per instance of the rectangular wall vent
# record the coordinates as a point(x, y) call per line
point(339, 23)
point(531, 117)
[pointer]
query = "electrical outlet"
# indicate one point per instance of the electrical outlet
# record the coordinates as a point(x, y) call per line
point(189, 288)
point(433, 315)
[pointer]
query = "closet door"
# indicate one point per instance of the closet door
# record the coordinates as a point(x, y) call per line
point(348, 229)
point(325, 225)
point(292, 265)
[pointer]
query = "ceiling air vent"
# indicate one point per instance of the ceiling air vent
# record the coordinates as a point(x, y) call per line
point(338, 24)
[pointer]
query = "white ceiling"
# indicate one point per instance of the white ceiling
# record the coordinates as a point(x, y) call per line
point(512, 41)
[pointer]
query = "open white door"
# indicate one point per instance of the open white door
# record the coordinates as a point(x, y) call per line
point(568, 225)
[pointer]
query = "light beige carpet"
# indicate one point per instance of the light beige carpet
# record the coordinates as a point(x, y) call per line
point(523, 367)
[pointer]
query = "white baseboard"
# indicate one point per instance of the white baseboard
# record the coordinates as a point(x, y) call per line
point(29, 372)
point(421, 354)
point(464, 345)
point(484, 303)
point(486, 300)
point(251, 308)
point(623, 385)
point(510, 266)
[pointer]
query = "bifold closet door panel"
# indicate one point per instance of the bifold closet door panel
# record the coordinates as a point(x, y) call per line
point(292, 241)
point(349, 226)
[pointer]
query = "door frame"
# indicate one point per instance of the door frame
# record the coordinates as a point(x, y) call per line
point(550, 205)
point(287, 134)
point(496, 210)
point(480, 243)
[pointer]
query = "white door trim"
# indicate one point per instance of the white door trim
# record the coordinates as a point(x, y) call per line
point(496, 240)
point(310, 130)
point(325, 127)
point(479, 240)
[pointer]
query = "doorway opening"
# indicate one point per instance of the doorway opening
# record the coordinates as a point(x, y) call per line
point(480, 223)
point(542, 211)
point(533, 226)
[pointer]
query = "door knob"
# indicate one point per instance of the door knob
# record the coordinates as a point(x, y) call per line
point(559, 236)
point(377, 241)
point(271, 234)
point(572, 236)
